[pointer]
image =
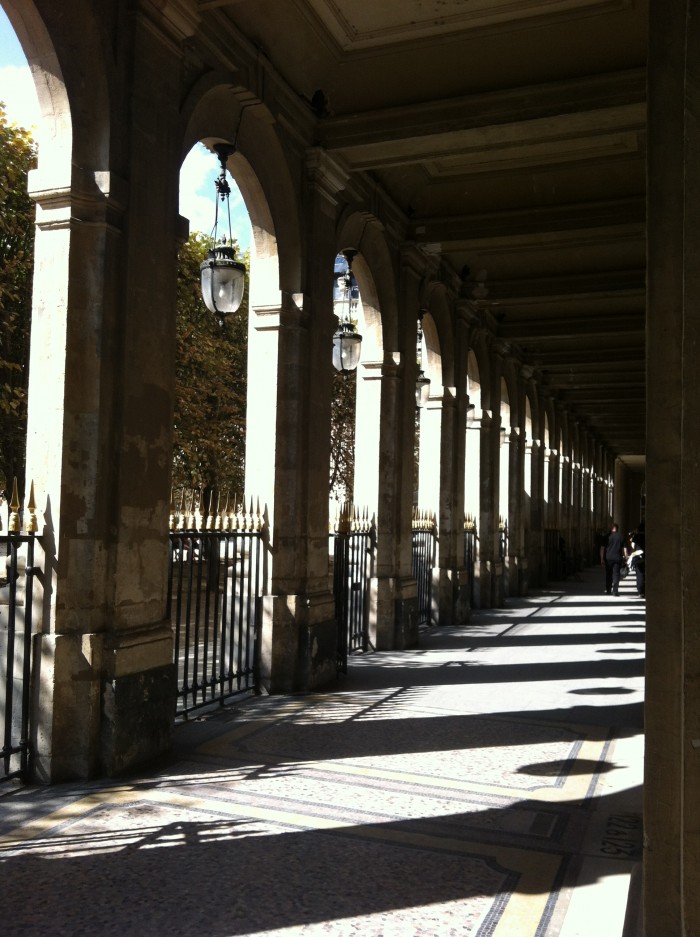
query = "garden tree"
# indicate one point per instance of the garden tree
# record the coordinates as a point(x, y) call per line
point(210, 388)
point(210, 394)
point(17, 157)
point(343, 436)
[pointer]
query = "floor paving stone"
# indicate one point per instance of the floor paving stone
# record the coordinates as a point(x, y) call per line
point(487, 783)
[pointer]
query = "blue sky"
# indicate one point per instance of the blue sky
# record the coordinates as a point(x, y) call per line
point(198, 172)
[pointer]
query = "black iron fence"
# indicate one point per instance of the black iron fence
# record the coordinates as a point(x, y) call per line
point(354, 540)
point(17, 576)
point(554, 556)
point(16, 596)
point(424, 552)
point(215, 586)
point(470, 541)
point(502, 539)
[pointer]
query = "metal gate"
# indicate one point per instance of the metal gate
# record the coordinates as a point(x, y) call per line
point(470, 538)
point(215, 586)
point(17, 572)
point(552, 553)
point(354, 539)
point(424, 550)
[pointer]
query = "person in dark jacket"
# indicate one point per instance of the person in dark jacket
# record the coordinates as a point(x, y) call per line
point(612, 555)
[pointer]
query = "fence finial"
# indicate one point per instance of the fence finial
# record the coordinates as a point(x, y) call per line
point(13, 524)
point(190, 521)
point(32, 524)
point(225, 515)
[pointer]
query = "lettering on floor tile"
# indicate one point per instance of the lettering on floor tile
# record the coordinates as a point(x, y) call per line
point(622, 836)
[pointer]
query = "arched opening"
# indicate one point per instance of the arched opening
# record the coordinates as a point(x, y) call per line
point(561, 465)
point(506, 452)
point(473, 443)
point(356, 426)
point(210, 391)
point(504, 460)
point(527, 474)
point(347, 307)
point(19, 125)
point(429, 422)
point(363, 391)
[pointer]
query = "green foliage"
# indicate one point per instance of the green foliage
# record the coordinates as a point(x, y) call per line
point(210, 391)
point(210, 384)
point(17, 157)
point(342, 473)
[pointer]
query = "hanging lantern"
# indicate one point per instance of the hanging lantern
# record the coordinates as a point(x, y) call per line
point(347, 341)
point(222, 276)
point(422, 389)
point(422, 382)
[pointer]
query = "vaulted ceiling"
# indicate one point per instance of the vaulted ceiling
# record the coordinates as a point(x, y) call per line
point(511, 134)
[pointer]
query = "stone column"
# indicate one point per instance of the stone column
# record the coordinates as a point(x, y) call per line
point(552, 473)
point(432, 458)
point(394, 616)
point(672, 708)
point(536, 568)
point(99, 445)
point(517, 562)
point(488, 568)
point(394, 594)
point(290, 371)
point(620, 496)
point(565, 498)
point(472, 492)
point(587, 532)
point(576, 513)
point(450, 581)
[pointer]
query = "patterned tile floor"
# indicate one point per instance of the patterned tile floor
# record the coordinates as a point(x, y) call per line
point(487, 783)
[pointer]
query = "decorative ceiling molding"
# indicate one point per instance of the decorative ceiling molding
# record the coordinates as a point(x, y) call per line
point(614, 97)
point(566, 137)
point(542, 228)
point(357, 26)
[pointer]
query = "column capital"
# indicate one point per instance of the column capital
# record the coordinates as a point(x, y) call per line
point(465, 311)
point(502, 348)
point(325, 176)
point(179, 19)
point(90, 198)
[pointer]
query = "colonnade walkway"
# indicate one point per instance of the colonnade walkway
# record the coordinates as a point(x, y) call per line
point(487, 783)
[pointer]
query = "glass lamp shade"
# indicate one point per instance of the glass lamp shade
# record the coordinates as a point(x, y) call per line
point(347, 344)
point(223, 280)
point(422, 389)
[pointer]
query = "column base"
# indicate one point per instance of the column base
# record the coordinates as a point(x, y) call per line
point(138, 718)
point(394, 613)
point(454, 607)
point(102, 703)
point(299, 643)
point(406, 615)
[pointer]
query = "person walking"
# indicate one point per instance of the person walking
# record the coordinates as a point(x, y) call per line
point(612, 555)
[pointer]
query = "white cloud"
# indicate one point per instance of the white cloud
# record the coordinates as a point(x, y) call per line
point(18, 94)
point(197, 193)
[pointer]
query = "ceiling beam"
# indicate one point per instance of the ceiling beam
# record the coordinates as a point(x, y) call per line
point(407, 126)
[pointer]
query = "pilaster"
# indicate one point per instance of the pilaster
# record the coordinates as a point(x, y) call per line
point(290, 366)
